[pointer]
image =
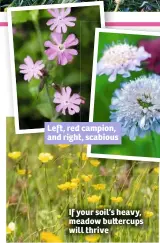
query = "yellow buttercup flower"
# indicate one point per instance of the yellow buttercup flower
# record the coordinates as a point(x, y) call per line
point(94, 162)
point(93, 199)
point(116, 199)
point(92, 238)
point(24, 172)
point(10, 228)
point(86, 178)
point(75, 180)
point(99, 186)
point(148, 214)
point(14, 155)
point(49, 237)
point(63, 145)
point(83, 156)
point(67, 186)
point(156, 170)
point(45, 157)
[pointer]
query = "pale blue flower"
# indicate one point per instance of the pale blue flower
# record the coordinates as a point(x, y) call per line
point(137, 106)
point(121, 59)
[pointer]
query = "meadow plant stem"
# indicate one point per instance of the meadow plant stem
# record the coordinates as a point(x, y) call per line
point(154, 145)
point(39, 36)
point(47, 187)
point(117, 7)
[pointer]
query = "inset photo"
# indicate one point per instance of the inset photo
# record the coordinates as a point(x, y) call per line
point(51, 51)
point(126, 89)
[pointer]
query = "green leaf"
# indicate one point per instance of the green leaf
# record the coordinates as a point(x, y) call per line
point(34, 15)
point(45, 109)
point(20, 17)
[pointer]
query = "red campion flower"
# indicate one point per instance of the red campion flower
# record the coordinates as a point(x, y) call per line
point(152, 47)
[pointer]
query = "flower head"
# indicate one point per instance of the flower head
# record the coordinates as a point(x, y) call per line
point(75, 180)
point(137, 106)
point(148, 214)
point(95, 162)
point(117, 199)
point(10, 228)
point(83, 156)
point(14, 155)
point(92, 238)
point(45, 157)
point(87, 178)
point(93, 199)
point(152, 46)
point(31, 69)
point(98, 187)
point(68, 186)
point(24, 172)
point(121, 59)
point(62, 51)
point(66, 101)
point(49, 237)
point(60, 21)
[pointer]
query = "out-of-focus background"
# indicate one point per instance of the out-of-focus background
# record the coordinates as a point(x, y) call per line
point(142, 147)
point(30, 32)
point(109, 5)
point(37, 199)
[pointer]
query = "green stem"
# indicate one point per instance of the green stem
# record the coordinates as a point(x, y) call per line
point(154, 145)
point(39, 36)
point(117, 7)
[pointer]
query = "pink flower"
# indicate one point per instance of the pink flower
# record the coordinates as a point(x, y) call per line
point(60, 21)
point(59, 50)
point(67, 101)
point(31, 69)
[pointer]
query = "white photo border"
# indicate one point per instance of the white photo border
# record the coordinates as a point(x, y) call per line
point(93, 87)
point(11, 46)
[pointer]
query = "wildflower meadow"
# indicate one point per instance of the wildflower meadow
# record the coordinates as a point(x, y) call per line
point(127, 87)
point(53, 50)
point(45, 181)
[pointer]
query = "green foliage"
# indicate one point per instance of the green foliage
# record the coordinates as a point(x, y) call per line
point(142, 147)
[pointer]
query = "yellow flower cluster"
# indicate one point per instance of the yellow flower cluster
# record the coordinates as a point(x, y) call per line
point(45, 157)
point(156, 170)
point(14, 155)
point(99, 186)
point(49, 237)
point(83, 156)
point(94, 162)
point(93, 199)
point(68, 186)
point(87, 178)
point(148, 214)
point(24, 172)
point(117, 199)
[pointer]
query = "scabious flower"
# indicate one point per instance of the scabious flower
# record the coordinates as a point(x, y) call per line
point(137, 106)
point(92, 238)
point(152, 46)
point(94, 162)
point(99, 187)
point(14, 155)
point(117, 199)
point(93, 199)
point(67, 102)
point(49, 237)
point(121, 59)
point(62, 51)
point(31, 69)
point(45, 157)
point(148, 214)
point(60, 21)
point(87, 178)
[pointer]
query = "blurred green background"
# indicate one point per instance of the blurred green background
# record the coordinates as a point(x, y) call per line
point(103, 93)
point(30, 33)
